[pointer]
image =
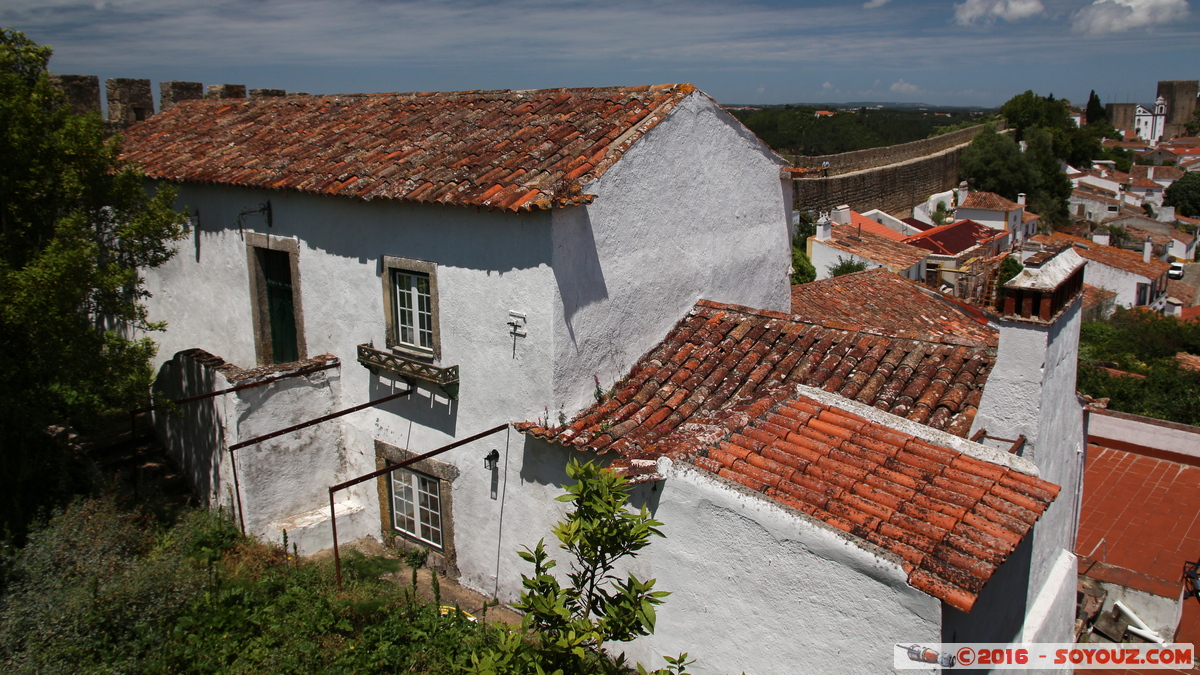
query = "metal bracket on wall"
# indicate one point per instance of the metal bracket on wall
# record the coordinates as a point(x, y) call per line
point(410, 369)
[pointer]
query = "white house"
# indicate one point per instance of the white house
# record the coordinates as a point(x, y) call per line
point(475, 259)
point(1137, 280)
point(1150, 121)
point(989, 208)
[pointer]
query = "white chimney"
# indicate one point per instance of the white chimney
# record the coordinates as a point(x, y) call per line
point(1021, 199)
point(1100, 237)
point(841, 215)
point(962, 193)
point(824, 228)
point(1147, 250)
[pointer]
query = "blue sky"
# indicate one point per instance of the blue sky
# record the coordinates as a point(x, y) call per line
point(970, 52)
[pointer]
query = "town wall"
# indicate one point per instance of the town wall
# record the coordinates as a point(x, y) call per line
point(893, 188)
point(873, 158)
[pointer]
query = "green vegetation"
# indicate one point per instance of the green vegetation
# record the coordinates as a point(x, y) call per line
point(572, 623)
point(1009, 268)
point(1145, 343)
point(103, 590)
point(1184, 195)
point(798, 130)
point(802, 268)
point(846, 266)
point(75, 229)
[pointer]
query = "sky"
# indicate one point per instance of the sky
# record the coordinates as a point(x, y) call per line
point(970, 53)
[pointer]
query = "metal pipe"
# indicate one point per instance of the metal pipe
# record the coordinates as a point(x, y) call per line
point(323, 418)
point(337, 563)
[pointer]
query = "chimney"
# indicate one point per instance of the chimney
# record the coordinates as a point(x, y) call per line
point(1030, 396)
point(1100, 237)
point(225, 91)
point(129, 100)
point(824, 228)
point(174, 91)
point(962, 193)
point(267, 93)
point(841, 215)
point(81, 91)
point(1021, 199)
point(1147, 250)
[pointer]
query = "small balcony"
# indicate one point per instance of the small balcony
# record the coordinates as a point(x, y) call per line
point(409, 369)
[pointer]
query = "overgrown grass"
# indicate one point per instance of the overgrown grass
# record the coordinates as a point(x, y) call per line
point(99, 589)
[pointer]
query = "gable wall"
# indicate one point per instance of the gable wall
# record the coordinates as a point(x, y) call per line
point(695, 209)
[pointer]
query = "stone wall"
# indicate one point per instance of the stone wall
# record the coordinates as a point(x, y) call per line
point(872, 158)
point(893, 188)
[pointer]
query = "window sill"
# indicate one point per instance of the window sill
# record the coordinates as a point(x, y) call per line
point(409, 368)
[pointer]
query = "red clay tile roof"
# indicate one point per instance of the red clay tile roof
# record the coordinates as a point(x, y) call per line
point(512, 150)
point(1144, 183)
point(954, 238)
point(877, 249)
point(881, 303)
point(1145, 510)
point(1106, 255)
point(917, 224)
point(1160, 172)
point(1181, 291)
point(1027, 216)
point(978, 199)
point(1160, 238)
point(950, 518)
point(1093, 296)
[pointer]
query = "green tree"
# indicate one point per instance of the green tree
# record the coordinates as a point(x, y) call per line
point(802, 268)
point(1009, 268)
point(994, 163)
point(1095, 110)
point(846, 266)
point(1027, 110)
point(1184, 195)
point(1048, 196)
point(75, 229)
point(572, 623)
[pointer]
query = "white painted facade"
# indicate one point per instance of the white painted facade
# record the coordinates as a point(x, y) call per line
point(696, 208)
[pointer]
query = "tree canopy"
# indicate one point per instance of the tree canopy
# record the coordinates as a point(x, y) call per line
point(994, 163)
point(1095, 109)
point(75, 229)
point(1184, 195)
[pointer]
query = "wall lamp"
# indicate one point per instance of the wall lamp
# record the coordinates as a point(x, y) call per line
point(489, 462)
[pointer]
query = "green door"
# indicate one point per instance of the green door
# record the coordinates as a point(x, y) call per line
point(277, 270)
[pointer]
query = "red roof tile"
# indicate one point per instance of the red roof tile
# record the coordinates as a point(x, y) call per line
point(978, 199)
point(1160, 172)
point(1145, 511)
point(950, 519)
point(881, 303)
point(954, 238)
point(1185, 293)
point(882, 250)
point(512, 150)
point(859, 220)
point(1093, 296)
point(1106, 255)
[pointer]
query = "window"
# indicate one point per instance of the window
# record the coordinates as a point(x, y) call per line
point(411, 306)
point(275, 299)
point(417, 506)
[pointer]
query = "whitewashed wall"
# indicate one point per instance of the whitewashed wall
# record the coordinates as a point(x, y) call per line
point(759, 588)
point(1117, 280)
point(695, 209)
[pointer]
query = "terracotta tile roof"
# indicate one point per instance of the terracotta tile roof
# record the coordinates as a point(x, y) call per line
point(1144, 183)
point(1106, 255)
point(721, 355)
point(1190, 313)
point(1160, 172)
point(881, 303)
point(1096, 191)
point(882, 250)
point(1027, 216)
point(1181, 291)
point(1160, 238)
point(917, 224)
point(978, 199)
point(1145, 511)
point(951, 519)
point(512, 150)
point(859, 220)
point(954, 238)
point(1093, 296)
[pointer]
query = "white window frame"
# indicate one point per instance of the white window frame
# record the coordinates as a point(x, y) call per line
point(417, 507)
point(411, 316)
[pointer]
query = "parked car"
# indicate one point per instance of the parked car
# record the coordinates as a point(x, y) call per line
point(1176, 271)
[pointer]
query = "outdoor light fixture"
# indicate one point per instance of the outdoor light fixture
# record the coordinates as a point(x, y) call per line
point(489, 462)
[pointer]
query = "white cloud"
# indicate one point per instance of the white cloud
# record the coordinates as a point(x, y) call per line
point(872, 4)
point(1115, 16)
point(902, 87)
point(987, 11)
point(827, 85)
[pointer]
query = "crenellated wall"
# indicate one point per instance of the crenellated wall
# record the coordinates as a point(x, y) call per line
point(130, 100)
point(874, 158)
point(892, 188)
